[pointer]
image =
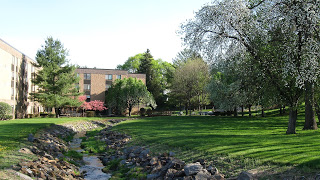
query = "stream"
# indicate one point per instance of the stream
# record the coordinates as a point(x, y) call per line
point(93, 166)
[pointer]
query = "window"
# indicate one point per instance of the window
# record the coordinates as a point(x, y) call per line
point(87, 87)
point(77, 74)
point(12, 93)
point(118, 76)
point(108, 86)
point(109, 77)
point(88, 98)
point(87, 76)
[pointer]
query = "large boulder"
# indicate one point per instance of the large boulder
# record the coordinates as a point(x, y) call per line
point(193, 168)
point(245, 176)
point(203, 174)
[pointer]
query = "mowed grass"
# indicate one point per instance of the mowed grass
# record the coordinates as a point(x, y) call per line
point(261, 139)
point(14, 133)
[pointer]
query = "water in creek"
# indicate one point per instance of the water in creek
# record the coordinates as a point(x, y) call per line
point(93, 166)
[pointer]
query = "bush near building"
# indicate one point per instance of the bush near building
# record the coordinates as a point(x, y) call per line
point(5, 111)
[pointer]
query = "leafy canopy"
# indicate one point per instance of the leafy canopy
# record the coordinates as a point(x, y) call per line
point(128, 92)
point(56, 79)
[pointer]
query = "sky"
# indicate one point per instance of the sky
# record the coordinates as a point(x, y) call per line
point(98, 33)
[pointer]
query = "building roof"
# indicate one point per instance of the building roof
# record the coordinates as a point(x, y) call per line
point(16, 49)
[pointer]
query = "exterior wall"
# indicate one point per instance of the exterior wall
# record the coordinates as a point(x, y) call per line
point(16, 71)
point(99, 80)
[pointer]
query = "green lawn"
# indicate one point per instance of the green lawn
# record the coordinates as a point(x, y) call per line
point(260, 139)
point(14, 133)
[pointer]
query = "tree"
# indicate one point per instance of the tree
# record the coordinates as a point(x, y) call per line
point(159, 74)
point(132, 64)
point(126, 93)
point(5, 110)
point(228, 28)
point(185, 55)
point(95, 105)
point(56, 79)
point(190, 80)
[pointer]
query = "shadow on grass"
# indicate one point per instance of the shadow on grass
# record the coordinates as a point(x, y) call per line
point(240, 137)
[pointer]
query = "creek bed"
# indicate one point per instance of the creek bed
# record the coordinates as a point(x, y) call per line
point(93, 166)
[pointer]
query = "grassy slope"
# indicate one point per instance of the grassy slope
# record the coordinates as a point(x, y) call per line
point(263, 139)
point(14, 133)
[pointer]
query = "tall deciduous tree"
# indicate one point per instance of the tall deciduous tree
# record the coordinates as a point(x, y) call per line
point(231, 27)
point(159, 74)
point(126, 93)
point(190, 80)
point(56, 79)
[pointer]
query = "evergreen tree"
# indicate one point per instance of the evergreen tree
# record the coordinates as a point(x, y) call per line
point(152, 82)
point(56, 79)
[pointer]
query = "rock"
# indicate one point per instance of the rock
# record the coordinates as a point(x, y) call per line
point(25, 151)
point(201, 161)
point(245, 176)
point(144, 153)
point(171, 154)
point(170, 173)
point(23, 176)
point(123, 162)
point(203, 174)
point(31, 138)
point(177, 164)
point(153, 176)
point(219, 177)
point(132, 155)
point(192, 169)
point(213, 170)
point(153, 161)
point(187, 178)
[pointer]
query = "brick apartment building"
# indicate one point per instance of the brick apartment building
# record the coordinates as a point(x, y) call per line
point(94, 82)
point(16, 72)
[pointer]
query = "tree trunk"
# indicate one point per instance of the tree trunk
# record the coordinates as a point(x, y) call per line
point(250, 111)
point(316, 105)
point(130, 109)
point(262, 112)
point(310, 121)
point(281, 110)
point(186, 110)
point(292, 121)
point(242, 113)
point(284, 109)
point(57, 111)
point(235, 112)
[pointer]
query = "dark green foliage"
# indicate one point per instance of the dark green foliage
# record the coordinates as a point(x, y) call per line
point(122, 172)
point(90, 113)
point(91, 144)
point(149, 112)
point(56, 79)
point(5, 110)
point(125, 94)
point(74, 154)
point(142, 111)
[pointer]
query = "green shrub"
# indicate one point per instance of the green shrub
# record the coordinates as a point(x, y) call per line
point(90, 113)
point(51, 115)
point(149, 112)
point(142, 111)
point(5, 109)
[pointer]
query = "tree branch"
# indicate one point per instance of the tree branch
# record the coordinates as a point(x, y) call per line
point(256, 5)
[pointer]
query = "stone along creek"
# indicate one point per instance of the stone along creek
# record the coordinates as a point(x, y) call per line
point(92, 167)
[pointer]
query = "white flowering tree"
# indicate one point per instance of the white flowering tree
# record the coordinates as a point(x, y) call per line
point(279, 35)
